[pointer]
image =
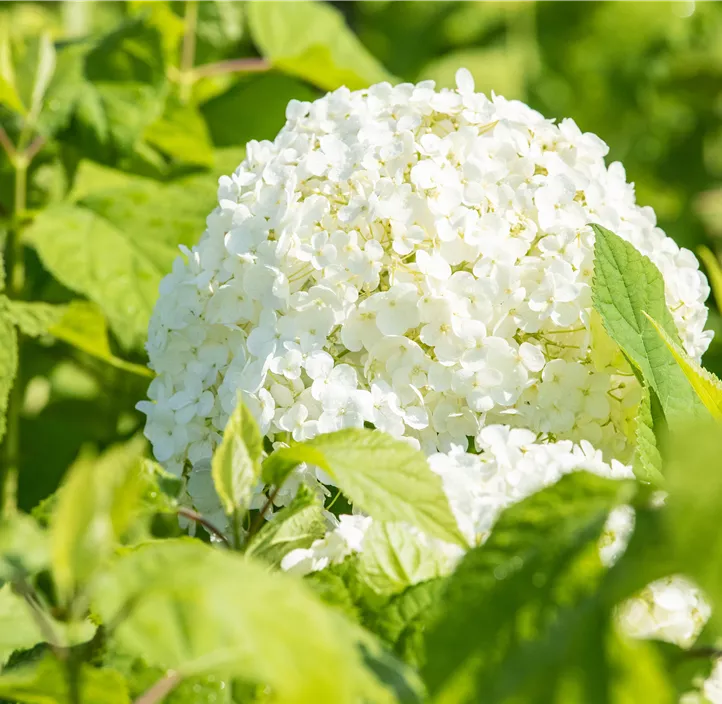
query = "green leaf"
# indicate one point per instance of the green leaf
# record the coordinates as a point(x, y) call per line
point(197, 610)
point(8, 363)
point(120, 91)
point(403, 621)
point(626, 286)
point(518, 602)
point(108, 255)
point(295, 526)
point(95, 506)
point(236, 464)
point(181, 134)
point(310, 40)
point(381, 475)
point(714, 272)
point(393, 558)
point(9, 95)
point(34, 319)
point(23, 547)
point(647, 460)
point(691, 516)
point(272, 90)
point(45, 682)
point(83, 326)
point(45, 68)
point(18, 629)
point(705, 384)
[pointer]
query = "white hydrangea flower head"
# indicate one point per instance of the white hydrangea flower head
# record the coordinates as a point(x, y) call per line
point(416, 259)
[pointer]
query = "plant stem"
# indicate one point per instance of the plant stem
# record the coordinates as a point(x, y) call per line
point(16, 286)
point(236, 521)
point(192, 515)
point(259, 518)
point(248, 65)
point(188, 51)
point(159, 690)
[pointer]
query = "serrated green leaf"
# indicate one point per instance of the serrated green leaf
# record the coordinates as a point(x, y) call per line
point(403, 621)
point(647, 462)
point(626, 286)
point(181, 134)
point(230, 615)
point(714, 272)
point(236, 464)
point(45, 682)
point(23, 547)
point(522, 594)
point(83, 326)
point(36, 318)
point(310, 40)
point(43, 74)
point(95, 506)
point(394, 557)
point(381, 475)
point(705, 384)
point(120, 91)
point(8, 362)
point(295, 526)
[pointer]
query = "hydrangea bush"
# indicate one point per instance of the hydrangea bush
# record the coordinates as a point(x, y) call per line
point(420, 262)
point(427, 404)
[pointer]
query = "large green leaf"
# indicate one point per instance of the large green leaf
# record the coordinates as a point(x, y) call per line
point(383, 476)
point(310, 40)
point(197, 610)
point(272, 90)
point(694, 505)
point(236, 465)
point(520, 602)
point(394, 557)
point(626, 287)
point(8, 362)
point(120, 90)
point(295, 526)
point(95, 506)
point(45, 682)
point(119, 241)
point(402, 622)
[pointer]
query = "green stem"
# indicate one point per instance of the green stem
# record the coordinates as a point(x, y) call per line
point(237, 521)
point(16, 287)
point(188, 51)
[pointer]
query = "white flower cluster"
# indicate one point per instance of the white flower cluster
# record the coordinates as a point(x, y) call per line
point(415, 259)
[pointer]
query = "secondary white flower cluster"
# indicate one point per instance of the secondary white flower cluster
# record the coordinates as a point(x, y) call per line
point(512, 465)
point(415, 259)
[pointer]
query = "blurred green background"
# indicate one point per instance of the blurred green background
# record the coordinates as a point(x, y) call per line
point(145, 104)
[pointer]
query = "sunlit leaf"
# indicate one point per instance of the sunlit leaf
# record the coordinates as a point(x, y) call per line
point(236, 465)
point(8, 362)
point(310, 40)
point(626, 287)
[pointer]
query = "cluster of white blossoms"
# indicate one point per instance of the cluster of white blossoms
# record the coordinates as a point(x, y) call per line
point(419, 260)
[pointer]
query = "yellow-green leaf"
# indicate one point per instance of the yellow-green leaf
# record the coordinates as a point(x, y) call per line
point(236, 465)
point(705, 384)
